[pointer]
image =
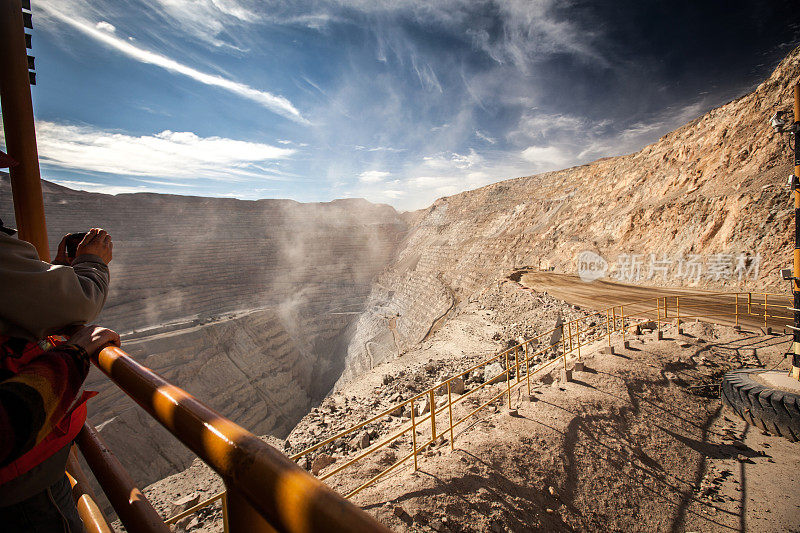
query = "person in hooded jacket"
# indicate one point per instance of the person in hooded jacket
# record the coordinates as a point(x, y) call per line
point(44, 359)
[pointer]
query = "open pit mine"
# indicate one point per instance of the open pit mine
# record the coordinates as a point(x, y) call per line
point(262, 308)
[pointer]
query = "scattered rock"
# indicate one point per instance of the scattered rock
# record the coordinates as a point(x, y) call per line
point(494, 373)
point(457, 386)
point(322, 461)
point(185, 502)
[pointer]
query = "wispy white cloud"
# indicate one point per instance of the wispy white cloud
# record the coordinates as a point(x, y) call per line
point(167, 154)
point(91, 186)
point(164, 183)
point(546, 156)
point(276, 103)
point(105, 26)
point(480, 135)
point(453, 161)
point(373, 176)
point(379, 149)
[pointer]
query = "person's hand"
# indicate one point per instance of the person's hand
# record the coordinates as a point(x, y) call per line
point(97, 242)
point(61, 256)
point(93, 338)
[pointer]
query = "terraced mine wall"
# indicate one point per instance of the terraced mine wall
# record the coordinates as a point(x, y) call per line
point(717, 185)
point(247, 305)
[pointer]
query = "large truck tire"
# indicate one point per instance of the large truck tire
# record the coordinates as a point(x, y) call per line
point(773, 410)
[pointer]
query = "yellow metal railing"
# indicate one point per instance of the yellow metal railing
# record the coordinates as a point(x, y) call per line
point(440, 422)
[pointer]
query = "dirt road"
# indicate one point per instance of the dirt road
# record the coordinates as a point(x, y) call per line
point(720, 308)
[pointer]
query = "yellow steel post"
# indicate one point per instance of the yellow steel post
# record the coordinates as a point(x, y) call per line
point(527, 369)
point(133, 508)
point(578, 336)
point(242, 518)
point(795, 371)
point(749, 303)
point(516, 361)
point(414, 435)
point(90, 514)
point(736, 311)
point(20, 132)
point(765, 309)
point(658, 313)
point(225, 527)
point(678, 310)
point(508, 377)
point(569, 332)
point(450, 412)
point(433, 415)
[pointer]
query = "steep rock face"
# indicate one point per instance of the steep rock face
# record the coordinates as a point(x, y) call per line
point(714, 186)
point(183, 266)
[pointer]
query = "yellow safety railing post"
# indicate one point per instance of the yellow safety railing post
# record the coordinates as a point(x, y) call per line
point(765, 310)
point(736, 311)
point(433, 415)
point(578, 336)
point(450, 413)
point(414, 436)
point(225, 526)
point(516, 362)
point(508, 379)
point(749, 303)
point(569, 332)
point(527, 368)
point(678, 311)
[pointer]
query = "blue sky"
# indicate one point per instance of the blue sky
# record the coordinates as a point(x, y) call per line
point(399, 102)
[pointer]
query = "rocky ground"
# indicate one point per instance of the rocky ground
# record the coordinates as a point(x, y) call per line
point(636, 442)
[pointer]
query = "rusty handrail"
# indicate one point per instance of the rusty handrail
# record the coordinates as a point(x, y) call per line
point(85, 500)
point(133, 509)
point(265, 489)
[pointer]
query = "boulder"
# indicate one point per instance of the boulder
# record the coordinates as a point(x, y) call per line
point(494, 373)
point(322, 461)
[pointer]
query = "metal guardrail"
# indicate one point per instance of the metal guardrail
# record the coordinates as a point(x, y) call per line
point(265, 491)
point(441, 422)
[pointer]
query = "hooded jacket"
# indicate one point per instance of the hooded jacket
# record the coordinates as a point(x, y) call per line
point(37, 298)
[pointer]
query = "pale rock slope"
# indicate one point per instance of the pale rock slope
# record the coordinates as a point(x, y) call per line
point(714, 186)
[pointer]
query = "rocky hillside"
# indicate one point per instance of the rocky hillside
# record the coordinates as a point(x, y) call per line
point(714, 186)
